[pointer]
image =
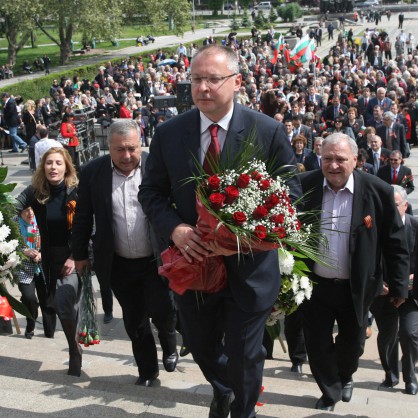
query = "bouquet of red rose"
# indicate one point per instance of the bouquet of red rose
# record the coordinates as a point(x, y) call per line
point(88, 333)
point(246, 211)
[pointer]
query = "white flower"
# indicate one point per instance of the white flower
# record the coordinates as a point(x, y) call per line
point(286, 261)
point(8, 247)
point(1, 217)
point(308, 292)
point(299, 297)
point(295, 284)
point(304, 282)
point(4, 232)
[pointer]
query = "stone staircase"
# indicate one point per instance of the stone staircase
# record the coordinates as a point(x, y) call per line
point(33, 382)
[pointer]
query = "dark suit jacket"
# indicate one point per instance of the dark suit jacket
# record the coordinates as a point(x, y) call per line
point(368, 168)
point(411, 228)
point(386, 237)
point(311, 162)
point(384, 157)
point(10, 115)
point(361, 105)
point(398, 141)
point(168, 199)
point(95, 198)
point(373, 102)
point(306, 131)
point(405, 178)
point(329, 112)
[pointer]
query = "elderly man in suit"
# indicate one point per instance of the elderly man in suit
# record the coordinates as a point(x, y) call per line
point(393, 134)
point(223, 329)
point(397, 173)
point(378, 156)
point(381, 100)
point(402, 322)
point(360, 223)
point(123, 253)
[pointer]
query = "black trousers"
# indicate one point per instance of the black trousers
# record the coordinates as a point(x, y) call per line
point(107, 297)
point(332, 362)
point(142, 295)
point(387, 321)
point(226, 343)
point(29, 292)
point(293, 331)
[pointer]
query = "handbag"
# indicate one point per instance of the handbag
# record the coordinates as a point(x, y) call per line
point(62, 140)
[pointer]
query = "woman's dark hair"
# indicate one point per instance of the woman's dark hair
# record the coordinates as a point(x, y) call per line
point(66, 116)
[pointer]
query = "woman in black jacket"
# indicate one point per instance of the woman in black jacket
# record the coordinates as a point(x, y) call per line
point(52, 197)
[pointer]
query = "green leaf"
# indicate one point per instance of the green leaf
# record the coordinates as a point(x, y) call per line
point(14, 303)
point(3, 173)
point(7, 188)
point(274, 330)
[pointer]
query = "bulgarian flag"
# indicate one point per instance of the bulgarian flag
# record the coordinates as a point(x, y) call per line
point(308, 55)
point(300, 48)
point(278, 47)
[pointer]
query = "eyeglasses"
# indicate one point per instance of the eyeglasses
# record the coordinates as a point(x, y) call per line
point(210, 81)
point(393, 159)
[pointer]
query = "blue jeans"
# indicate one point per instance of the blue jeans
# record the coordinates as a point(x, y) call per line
point(17, 141)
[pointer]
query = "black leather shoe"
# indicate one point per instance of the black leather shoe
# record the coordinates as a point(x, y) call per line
point(24, 149)
point(320, 404)
point(296, 368)
point(29, 334)
point(147, 381)
point(347, 391)
point(388, 383)
point(411, 388)
point(108, 317)
point(170, 362)
point(220, 406)
point(184, 351)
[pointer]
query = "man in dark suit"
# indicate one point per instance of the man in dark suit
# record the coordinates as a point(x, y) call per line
point(47, 111)
point(300, 129)
point(378, 156)
point(363, 101)
point(123, 253)
point(11, 121)
point(392, 134)
point(381, 100)
point(377, 119)
point(223, 329)
point(367, 227)
point(335, 110)
point(399, 324)
point(315, 98)
point(313, 161)
point(397, 173)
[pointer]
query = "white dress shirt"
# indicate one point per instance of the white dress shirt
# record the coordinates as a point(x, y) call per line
point(335, 226)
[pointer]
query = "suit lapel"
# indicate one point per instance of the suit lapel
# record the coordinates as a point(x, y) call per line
point(357, 214)
point(234, 137)
point(191, 141)
point(106, 190)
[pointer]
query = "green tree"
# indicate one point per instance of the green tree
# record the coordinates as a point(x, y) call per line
point(272, 16)
point(216, 6)
point(290, 12)
point(17, 25)
point(234, 24)
point(246, 22)
point(93, 18)
point(260, 20)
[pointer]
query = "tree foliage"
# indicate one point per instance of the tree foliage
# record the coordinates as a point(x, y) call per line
point(246, 22)
point(290, 12)
point(18, 24)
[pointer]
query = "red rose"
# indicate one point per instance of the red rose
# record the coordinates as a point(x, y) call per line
point(291, 210)
point(256, 175)
point(214, 182)
point(260, 212)
point(281, 232)
point(231, 194)
point(260, 231)
point(277, 219)
point(243, 181)
point(264, 184)
point(272, 201)
point(239, 218)
point(217, 200)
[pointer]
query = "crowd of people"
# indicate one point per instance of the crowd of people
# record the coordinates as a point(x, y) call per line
point(348, 121)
